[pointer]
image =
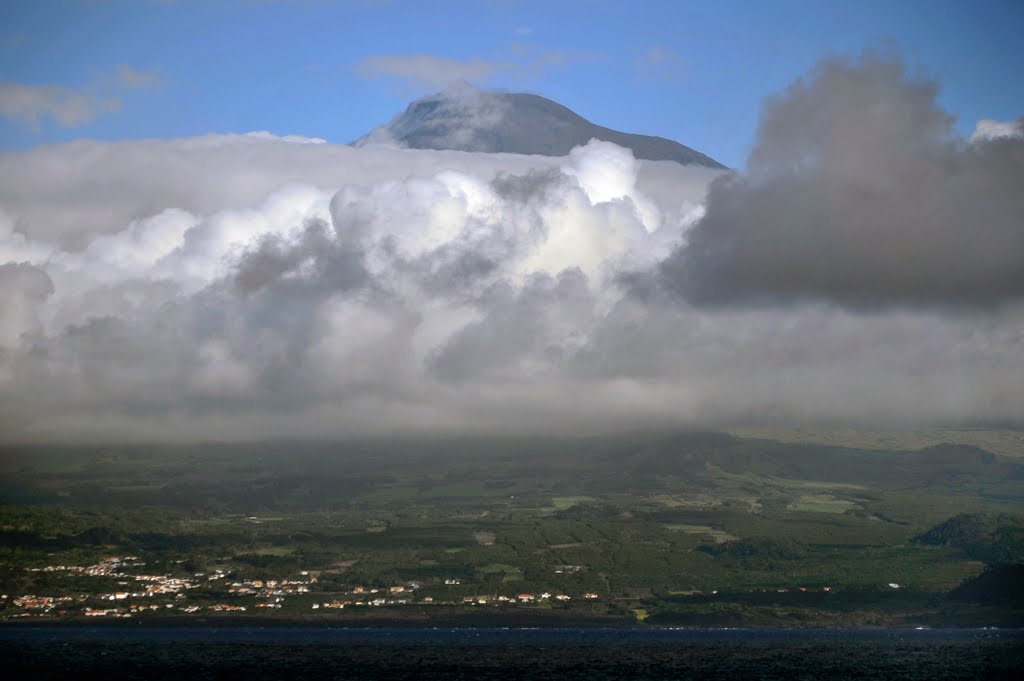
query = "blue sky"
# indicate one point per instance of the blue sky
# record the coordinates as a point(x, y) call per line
point(692, 71)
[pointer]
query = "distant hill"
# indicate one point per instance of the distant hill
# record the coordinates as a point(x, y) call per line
point(960, 530)
point(1004, 442)
point(465, 118)
point(995, 539)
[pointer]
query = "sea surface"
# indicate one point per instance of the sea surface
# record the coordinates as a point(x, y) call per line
point(140, 652)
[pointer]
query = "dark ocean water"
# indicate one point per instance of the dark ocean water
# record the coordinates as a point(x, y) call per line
point(484, 654)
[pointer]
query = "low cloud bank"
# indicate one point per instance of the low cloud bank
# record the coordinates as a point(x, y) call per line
point(246, 286)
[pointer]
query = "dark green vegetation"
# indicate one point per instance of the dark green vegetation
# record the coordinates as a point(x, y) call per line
point(665, 528)
point(995, 539)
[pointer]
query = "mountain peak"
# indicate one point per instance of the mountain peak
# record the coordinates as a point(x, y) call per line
point(459, 88)
point(463, 117)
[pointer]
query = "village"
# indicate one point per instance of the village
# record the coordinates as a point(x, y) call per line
point(145, 593)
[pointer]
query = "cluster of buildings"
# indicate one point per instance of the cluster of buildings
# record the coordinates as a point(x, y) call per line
point(226, 607)
point(523, 598)
point(42, 603)
point(108, 567)
point(114, 567)
point(106, 612)
point(125, 569)
point(152, 585)
point(568, 569)
point(127, 612)
point(382, 597)
point(271, 588)
point(140, 585)
point(62, 605)
point(399, 594)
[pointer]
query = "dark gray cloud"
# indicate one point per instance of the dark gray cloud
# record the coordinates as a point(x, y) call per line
point(23, 288)
point(26, 280)
point(859, 192)
point(314, 258)
point(526, 186)
point(523, 331)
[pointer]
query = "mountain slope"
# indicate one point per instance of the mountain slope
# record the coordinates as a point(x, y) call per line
point(465, 118)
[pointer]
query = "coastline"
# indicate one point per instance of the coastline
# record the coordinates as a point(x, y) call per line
point(524, 620)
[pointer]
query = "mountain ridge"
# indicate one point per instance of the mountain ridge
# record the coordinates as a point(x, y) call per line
point(464, 118)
